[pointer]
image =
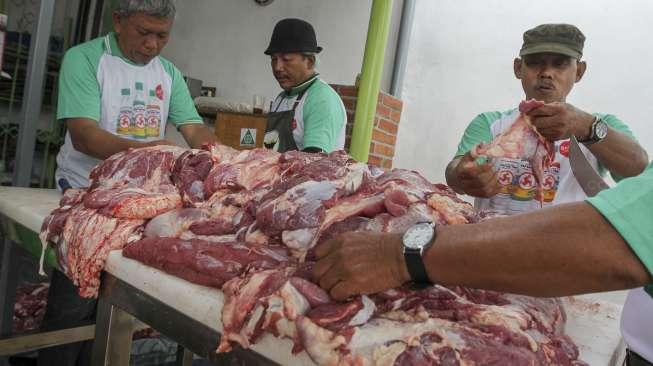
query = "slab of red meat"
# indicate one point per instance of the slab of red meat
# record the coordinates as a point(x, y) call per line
point(437, 326)
point(146, 168)
point(202, 262)
point(298, 206)
point(248, 170)
point(53, 224)
point(188, 174)
point(266, 300)
point(339, 316)
point(125, 189)
point(396, 199)
point(133, 203)
point(135, 184)
point(522, 141)
point(85, 243)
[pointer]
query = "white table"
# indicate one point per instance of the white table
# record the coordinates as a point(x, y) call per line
point(593, 323)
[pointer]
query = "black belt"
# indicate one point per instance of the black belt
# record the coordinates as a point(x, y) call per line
point(633, 359)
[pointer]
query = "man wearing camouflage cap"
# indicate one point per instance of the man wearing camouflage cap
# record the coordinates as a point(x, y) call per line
point(549, 64)
point(548, 67)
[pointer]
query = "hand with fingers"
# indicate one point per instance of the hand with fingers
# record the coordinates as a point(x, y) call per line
point(559, 121)
point(478, 180)
point(360, 263)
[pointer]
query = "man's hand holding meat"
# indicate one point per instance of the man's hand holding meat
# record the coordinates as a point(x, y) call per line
point(360, 263)
point(618, 152)
point(559, 120)
point(558, 251)
point(474, 179)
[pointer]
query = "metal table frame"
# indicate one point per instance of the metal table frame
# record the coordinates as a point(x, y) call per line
point(32, 341)
point(121, 303)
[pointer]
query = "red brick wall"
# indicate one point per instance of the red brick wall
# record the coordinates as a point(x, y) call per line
point(386, 124)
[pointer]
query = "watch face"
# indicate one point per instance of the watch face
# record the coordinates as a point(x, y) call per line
point(418, 236)
point(601, 130)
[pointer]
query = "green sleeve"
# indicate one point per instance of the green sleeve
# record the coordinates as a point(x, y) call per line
point(323, 117)
point(477, 131)
point(182, 109)
point(616, 123)
point(620, 126)
point(79, 89)
point(629, 208)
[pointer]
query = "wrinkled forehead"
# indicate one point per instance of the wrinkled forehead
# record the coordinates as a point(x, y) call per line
point(548, 56)
point(287, 55)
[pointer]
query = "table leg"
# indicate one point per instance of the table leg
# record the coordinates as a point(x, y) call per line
point(113, 335)
point(184, 356)
point(8, 282)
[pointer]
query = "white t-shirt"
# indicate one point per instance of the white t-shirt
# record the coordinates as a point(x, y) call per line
point(637, 323)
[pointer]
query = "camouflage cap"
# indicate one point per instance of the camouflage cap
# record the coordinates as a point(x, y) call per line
point(565, 39)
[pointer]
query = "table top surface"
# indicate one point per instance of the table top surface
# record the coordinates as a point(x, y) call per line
point(593, 322)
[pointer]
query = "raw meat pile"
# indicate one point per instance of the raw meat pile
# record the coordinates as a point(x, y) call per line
point(522, 141)
point(126, 189)
point(29, 307)
point(247, 222)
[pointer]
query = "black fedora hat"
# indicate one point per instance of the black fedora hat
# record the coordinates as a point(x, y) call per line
point(293, 35)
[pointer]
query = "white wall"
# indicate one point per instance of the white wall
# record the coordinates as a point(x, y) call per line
point(460, 64)
point(222, 41)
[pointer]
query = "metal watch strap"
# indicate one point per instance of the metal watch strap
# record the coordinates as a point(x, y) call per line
point(415, 265)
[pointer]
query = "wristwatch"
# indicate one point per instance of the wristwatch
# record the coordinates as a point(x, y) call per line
point(416, 240)
point(598, 131)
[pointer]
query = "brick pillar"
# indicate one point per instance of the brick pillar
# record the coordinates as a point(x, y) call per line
point(386, 124)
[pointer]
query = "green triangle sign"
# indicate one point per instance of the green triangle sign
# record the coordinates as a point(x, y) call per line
point(247, 139)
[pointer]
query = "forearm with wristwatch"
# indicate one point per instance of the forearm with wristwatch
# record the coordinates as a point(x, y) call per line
point(598, 132)
point(619, 153)
point(416, 241)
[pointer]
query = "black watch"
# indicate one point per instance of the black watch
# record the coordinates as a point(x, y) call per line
point(598, 131)
point(417, 240)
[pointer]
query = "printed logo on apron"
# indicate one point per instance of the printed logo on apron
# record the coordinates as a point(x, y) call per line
point(280, 126)
point(271, 140)
point(519, 186)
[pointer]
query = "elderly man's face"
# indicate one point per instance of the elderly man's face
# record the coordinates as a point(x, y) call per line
point(548, 76)
point(291, 69)
point(141, 37)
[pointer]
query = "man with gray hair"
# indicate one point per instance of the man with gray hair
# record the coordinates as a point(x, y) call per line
point(308, 114)
point(115, 93)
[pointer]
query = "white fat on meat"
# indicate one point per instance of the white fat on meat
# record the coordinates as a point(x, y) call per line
point(299, 239)
point(321, 344)
point(364, 314)
point(378, 333)
point(387, 355)
point(172, 223)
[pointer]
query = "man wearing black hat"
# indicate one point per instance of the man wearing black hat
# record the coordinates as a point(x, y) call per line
point(548, 67)
point(308, 115)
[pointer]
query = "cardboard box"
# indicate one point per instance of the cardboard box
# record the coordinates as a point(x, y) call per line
point(240, 131)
